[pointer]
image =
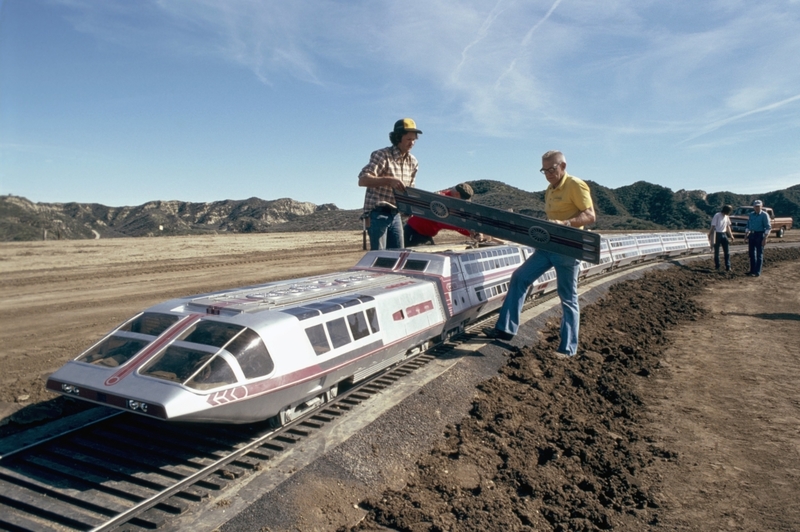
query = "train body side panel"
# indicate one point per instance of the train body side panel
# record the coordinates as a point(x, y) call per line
point(318, 331)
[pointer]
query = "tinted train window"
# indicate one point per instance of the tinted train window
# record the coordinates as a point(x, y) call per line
point(385, 262)
point(346, 302)
point(358, 325)
point(113, 351)
point(213, 333)
point(325, 306)
point(150, 323)
point(415, 265)
point(178, 363)
point(338, 333)
point(372, 316)
point(316, 335)
point(302, 313)
point(252, 354)
point(201, 366)
point(214, 374)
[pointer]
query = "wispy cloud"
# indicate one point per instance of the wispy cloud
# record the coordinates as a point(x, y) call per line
point(481, 34)
point(622, 64)
point(721, 123)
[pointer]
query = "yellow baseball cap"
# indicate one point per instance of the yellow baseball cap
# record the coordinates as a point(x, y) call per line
point(406, 125)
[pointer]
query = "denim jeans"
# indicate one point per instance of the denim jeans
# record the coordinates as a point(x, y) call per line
point(721, 240)
point(413, 239)
point(567, 270)
point(755, 249)
point(385, 229)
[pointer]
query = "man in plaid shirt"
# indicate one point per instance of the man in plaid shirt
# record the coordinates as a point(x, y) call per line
point(389, 169)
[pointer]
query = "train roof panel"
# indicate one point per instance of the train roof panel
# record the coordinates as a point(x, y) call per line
point(324, 293)
point(433, 263)
point(404, 260)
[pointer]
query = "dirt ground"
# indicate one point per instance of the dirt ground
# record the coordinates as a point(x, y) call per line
point(682, 411)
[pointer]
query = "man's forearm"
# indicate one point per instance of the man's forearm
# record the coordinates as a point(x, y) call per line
point(585, 217)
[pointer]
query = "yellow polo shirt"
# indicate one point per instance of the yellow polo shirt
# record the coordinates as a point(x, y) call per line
point(571, 197)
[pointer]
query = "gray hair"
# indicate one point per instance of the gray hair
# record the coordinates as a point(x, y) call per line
point(555, 154)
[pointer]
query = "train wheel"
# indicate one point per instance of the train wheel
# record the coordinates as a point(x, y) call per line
point(292, 412)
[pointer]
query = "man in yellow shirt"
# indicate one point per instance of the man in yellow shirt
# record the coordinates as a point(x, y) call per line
point(567, 201)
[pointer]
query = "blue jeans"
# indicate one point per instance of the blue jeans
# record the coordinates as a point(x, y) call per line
point(385, 229)
point(567, 270)
point(414, 239)
point(755, 249)
point(721, 240)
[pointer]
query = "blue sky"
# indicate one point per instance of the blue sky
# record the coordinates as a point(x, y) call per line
point(121, 102)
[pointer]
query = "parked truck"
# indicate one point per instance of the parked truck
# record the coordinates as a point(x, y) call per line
point(739, 221)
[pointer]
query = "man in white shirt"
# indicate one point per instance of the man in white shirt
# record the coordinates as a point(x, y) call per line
point(723, 236)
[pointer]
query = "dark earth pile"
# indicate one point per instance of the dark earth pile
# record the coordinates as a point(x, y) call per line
point(555, 444)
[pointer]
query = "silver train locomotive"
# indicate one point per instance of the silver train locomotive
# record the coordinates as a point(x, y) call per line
point(279, 349)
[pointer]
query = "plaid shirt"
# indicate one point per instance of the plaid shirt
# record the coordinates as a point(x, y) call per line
point(388, 162)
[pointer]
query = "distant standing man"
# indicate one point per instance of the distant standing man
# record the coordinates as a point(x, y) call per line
point(721, 225)
point(758, 228)
point(389, 169)
point(568, 201)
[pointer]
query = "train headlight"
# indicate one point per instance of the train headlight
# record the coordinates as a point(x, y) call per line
point(71, 389)
point(137, 405)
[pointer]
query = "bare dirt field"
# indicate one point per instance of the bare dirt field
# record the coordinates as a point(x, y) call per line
point(59, 297)
point(680, 413)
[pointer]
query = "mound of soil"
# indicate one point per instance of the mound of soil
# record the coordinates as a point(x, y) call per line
point(564, 444)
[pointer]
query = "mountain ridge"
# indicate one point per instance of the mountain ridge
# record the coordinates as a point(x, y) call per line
point(639, 206)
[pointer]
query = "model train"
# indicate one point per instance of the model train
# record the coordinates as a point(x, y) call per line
point(279, 349)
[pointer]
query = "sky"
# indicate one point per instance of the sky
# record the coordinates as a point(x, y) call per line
point(121, 102)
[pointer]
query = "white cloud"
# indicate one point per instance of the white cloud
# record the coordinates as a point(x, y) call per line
point(628, 65)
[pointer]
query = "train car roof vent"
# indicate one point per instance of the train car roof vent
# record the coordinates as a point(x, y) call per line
point(385, 262)
point(416, 265)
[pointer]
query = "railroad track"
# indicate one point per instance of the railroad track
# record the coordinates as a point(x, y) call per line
point(129, 472)
point(135, 473)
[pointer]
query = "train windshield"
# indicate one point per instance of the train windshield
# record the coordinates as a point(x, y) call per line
point(210, 354)
point(131, 337)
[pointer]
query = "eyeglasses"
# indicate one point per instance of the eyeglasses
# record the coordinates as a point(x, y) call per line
point(551, 169)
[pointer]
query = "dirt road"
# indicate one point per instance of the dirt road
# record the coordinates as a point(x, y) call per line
point(58, 297)
point(681, 414)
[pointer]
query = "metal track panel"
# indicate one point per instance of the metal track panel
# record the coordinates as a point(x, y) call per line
point(539, 234)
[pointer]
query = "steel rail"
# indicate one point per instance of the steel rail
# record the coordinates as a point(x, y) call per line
point(312, 420)
point(258, 442)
